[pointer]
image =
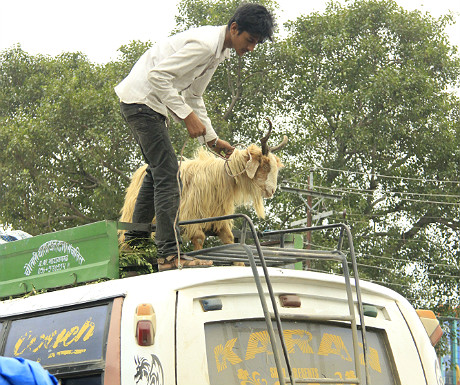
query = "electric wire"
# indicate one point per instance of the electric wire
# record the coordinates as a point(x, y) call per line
point(364, 194)
point(424, 180)
point(352, 189)
point(387, 258)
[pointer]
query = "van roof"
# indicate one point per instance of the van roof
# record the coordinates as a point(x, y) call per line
point(173, 281)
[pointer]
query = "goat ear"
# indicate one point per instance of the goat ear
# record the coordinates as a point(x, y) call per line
point(251, 167)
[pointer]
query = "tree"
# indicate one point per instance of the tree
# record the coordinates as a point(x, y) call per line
point(65, 151)
point(237, 98)
point(364, 92)
point(368, 90)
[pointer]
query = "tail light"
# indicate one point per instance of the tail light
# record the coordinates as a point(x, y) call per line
point(431, 325)
point(145, 324)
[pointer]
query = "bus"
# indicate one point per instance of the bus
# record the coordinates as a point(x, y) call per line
point(270, 322)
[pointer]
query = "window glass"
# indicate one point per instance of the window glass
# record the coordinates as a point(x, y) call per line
point(61, 338)
point(240, 352)
point(88, 380)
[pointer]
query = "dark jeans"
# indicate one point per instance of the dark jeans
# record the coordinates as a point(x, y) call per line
point(159, 193)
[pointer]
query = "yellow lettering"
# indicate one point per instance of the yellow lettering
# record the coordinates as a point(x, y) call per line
point(62, 337)
point(72, 332)
point(332, 344)
point(309, 373)
point(53, 340)
point(300, 338)
point(224, 354)
point(19, 342)
point(274, 372)
point(253, 344)
point(350, 374)
point(297, 373)
point(70, 352)
point(18, 345)
point(90, 332)
point(45, 341)
point(374, 361)
point(88, 324)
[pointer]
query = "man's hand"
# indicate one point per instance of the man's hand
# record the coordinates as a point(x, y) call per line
point(195, 126)
point(219, 146)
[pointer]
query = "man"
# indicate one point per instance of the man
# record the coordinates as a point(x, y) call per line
point(171, 77)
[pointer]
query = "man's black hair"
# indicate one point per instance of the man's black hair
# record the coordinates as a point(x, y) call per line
point(255, 19)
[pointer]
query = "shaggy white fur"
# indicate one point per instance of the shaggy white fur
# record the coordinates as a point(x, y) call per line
point(211, 189)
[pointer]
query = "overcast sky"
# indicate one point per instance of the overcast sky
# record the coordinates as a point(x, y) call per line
point(98, 28)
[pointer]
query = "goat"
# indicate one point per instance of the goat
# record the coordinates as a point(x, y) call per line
point(213, 187)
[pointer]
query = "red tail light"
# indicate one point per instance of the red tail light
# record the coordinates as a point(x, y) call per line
point(145, 324)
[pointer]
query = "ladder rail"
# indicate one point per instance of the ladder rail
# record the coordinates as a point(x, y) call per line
point(346, 229)
point(343, 229)
point(261, 293)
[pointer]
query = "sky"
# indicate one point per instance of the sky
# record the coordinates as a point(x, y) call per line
point(97, 28)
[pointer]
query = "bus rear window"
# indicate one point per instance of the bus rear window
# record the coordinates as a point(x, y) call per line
point(67, 337)
point(240, 352)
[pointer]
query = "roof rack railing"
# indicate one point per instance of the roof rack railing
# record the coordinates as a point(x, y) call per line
point(279, 256)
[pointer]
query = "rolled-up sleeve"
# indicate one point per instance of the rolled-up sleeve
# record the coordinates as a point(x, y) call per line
point(194, 98)
point(166, 75)
point(167, 78)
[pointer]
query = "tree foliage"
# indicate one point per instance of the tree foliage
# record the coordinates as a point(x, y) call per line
point(368, 88)
point(65, 152)
point(366, 93)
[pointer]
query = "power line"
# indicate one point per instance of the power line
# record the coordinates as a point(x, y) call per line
point(364, 194)
point(351, 189)
point(391, 258)
point(389, 176)
point(394, 271)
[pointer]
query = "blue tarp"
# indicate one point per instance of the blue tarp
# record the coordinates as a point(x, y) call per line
point(18, 371)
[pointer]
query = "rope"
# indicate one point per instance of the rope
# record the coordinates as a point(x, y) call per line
point(227, 170)
point(179, 265)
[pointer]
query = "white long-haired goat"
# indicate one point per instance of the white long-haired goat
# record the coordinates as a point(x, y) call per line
point(212, 188)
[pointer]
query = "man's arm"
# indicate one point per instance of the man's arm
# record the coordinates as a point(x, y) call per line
point(219, 146)
point(195, 126)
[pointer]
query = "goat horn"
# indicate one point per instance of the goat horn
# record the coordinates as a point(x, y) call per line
point(264, 139)
point(279, 146)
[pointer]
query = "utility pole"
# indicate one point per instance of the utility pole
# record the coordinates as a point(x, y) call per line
point(312, 209)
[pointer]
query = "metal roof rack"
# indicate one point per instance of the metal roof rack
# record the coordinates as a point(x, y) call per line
point(258, 255)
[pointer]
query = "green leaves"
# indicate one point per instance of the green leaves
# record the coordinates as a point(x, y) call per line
point(370, 83)
point(64, 143)
point(364, 92)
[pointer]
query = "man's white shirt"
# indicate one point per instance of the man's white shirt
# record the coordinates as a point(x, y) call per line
point(172, 75)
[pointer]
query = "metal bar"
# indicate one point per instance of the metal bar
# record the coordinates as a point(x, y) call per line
point(354, 327)
point(273, 251)
point(243, 233)
point(360, 304)
point(325, 381)
point(303, 229)
point(303, 317)
point(275, 308)
point(268, 321)
point(270, 289)
point(260, 290)
point(311, 193)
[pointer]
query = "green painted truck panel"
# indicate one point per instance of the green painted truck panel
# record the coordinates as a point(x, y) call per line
point(80, 254)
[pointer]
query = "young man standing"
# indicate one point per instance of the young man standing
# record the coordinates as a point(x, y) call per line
point(171, 77)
